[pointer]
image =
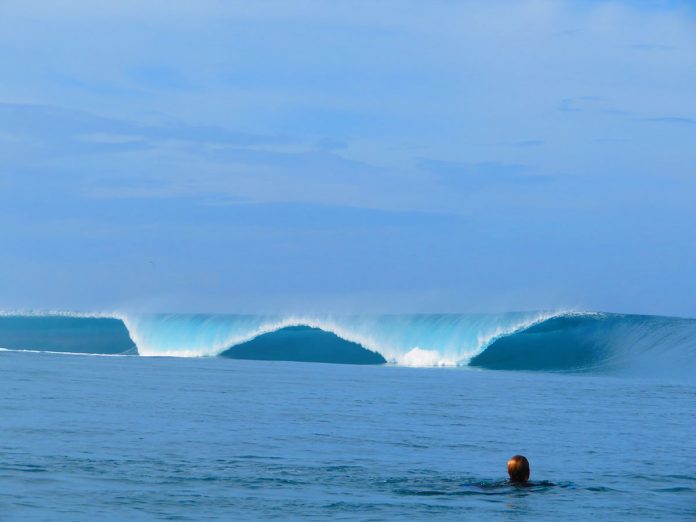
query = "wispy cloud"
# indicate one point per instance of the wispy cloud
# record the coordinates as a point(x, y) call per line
point(221, 137)
point(652, 47)
point(112, 158)
point(676, 120)
point(50, 124)
point(478, 175)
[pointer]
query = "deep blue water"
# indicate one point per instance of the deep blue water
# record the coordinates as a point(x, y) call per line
point(86, 437)
point(603, 405)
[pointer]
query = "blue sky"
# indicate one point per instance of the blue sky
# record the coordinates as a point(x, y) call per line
point(357, 156)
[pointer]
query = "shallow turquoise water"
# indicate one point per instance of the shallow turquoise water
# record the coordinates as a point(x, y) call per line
point(86, 437)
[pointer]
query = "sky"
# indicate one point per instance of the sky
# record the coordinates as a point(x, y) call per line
point(223, 156)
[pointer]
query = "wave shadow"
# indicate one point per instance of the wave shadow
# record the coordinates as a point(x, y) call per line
point(303, 344)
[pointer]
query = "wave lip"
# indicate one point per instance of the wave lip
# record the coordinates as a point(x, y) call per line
point(66, 333)
point(597, 342)
point(536, 341)
point(59, 313)
point(449, 339)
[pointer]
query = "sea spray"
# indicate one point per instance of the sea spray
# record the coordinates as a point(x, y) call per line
point(542, 341)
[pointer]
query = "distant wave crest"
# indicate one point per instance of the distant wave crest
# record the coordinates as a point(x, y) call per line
point(535, 341)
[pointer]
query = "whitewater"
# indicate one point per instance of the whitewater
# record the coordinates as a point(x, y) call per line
point(546, 340)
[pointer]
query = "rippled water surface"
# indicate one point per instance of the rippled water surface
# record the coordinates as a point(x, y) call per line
point(86, 437)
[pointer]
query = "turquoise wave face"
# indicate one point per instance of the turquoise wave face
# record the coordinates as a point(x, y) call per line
point(531, 341)
point(610, 343)
point(64, 333)
point(412, 340)
point(304, 344)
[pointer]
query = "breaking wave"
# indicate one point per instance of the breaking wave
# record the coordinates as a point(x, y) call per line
point(533, 341)
point(597, 342)
point(409, 340)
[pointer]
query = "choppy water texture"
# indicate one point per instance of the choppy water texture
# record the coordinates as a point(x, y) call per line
point(611, 436)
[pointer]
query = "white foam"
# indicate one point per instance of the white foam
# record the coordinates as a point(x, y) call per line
point(448, 340)
point(423, 358)
point(59, 313)
point(417, 341)
point(53, 352)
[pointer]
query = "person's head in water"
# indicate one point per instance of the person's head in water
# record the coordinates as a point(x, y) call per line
point(518, 469)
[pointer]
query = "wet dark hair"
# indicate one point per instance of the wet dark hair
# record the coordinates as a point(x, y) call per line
point(518, 468)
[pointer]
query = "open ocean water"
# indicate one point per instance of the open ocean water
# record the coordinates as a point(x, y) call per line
point(85, 437)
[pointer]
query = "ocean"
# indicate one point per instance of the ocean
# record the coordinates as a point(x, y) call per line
point(240, 417)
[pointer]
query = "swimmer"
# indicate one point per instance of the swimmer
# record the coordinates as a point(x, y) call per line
point(518, 469)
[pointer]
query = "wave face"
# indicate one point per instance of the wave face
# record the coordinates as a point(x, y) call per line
point(304, 344)
point(65, 333)
point(536, 341)
point(409, 340)
point(597, 342)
